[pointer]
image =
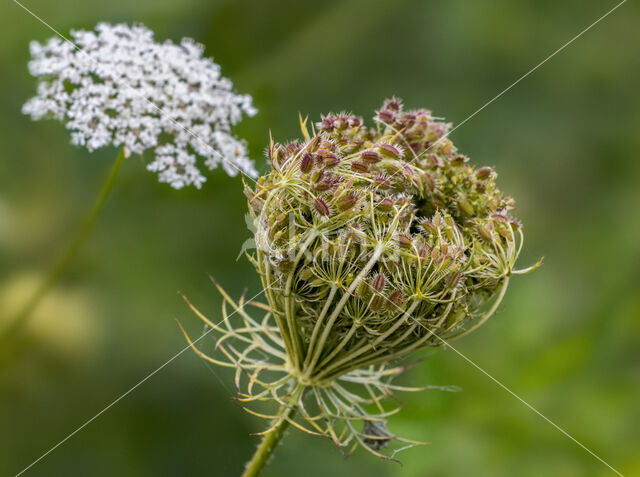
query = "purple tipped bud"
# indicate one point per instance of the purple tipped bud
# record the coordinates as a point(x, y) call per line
point(371, 156)
point(331, 162)
point(434, 160)
point(326, 124)
point(323, 185)
point(395, 301)
point(416, 147)
point(389, 150)
point(359, 167)
point(500, 218)
point(329, 159)
point(429, 182)
point(484, 173)
point(386, 116)
point(382, 182)
point(354, 122)
point(347, 201)
point(327, 182)
point(378, 282)
point(393, 104)
point(321, 206)
point(459, 160)
point(292, 148)
point(404, 240)
point(515, 222)
point(385, 205)
point(408, 117)
point(403, 200)
point(340, 123)
point(306, 164)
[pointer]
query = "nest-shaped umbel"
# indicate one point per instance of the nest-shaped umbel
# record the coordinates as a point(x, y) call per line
point(371, 243)
point(375, 242)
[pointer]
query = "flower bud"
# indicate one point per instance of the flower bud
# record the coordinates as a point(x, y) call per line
point(321, 206)
point(389, 151)
point(386, 116)
point(330, 160)
point(292, 148)
point(385, 205)
point(371, 156)
point(458, 160)
point(434, 161)
point(393, 104)
point(429, 182)
point(358, 166)
point(377, 282)
point(395, 301)
point(346, 201)
point(382, 182)
point(404, 240)
point(484, 173)
point(306, 163)
point(354, 122)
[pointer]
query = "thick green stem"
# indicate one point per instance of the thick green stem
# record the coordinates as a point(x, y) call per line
point(269, 443)
point(22, 317)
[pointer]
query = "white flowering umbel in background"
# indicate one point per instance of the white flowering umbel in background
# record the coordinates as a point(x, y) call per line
point(117, 86)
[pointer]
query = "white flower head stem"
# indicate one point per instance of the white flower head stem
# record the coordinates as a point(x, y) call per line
point(117, 86)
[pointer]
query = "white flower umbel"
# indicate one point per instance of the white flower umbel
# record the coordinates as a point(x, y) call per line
point(117, 86)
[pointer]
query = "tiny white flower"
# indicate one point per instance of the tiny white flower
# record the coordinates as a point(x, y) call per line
point(121, 88)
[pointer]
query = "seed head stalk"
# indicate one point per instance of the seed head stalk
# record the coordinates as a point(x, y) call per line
point(273, 436)
point(75, 245)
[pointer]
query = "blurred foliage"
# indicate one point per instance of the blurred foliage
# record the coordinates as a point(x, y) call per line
point(566, 146)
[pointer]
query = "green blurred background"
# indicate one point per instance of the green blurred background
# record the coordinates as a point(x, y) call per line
point(565, 142)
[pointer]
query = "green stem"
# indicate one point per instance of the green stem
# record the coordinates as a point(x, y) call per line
point(269, 443)
point(22, 317)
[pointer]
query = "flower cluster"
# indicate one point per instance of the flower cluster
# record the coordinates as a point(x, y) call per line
point(371, 243)
point(408, 239)
point(117, 86)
